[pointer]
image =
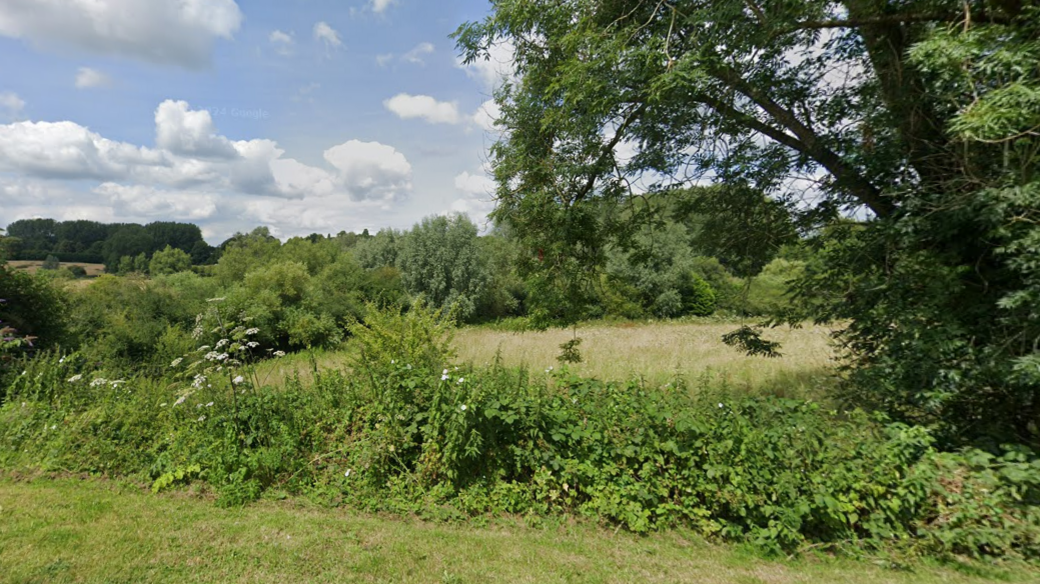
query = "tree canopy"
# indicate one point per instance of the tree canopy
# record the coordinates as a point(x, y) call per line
point(919, 119)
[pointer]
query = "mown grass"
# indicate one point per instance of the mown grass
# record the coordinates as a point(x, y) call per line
point(656, 352)
point(70, 530)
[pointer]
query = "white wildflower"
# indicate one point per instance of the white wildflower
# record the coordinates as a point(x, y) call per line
point(180, 400)
point(463, 407)
point(220, 343)
point(198, 381)
point(176, 361)
point(462, 380)
point(252, 331)
point(209, 405)
point(238, 379)
point(98, 382)
point(202, 418)
point(75, 378)
point(444, 377)
point(252, 344)
point(721, 406)
point(62, 360)
point(347, 474)
point(279, 353)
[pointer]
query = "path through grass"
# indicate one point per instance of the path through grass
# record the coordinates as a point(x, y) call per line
point(69, 530)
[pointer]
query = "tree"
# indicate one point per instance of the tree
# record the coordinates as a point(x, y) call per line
point(918, 118)
point(169, 260)
point(440, 259)
point(50, 263)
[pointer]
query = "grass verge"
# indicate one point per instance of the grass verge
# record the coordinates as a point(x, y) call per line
point(69, 530)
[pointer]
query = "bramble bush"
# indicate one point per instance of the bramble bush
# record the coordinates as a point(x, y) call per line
point(407, 431)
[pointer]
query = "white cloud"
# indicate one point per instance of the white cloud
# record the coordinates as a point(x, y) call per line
point(498, 67)
point(191, 158)
point(407, 107)
point(189, 133)
point(475, 184)
point(379, 6)
point(87, 77)
point(486, 114)
point(11, 105)
point(169, 32)
point(328, 35)
point(370, 170)
point(416, 54)
point(283, 41)
point(384, 59)
point(148, 201)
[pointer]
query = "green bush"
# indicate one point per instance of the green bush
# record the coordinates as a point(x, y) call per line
point(406, 431)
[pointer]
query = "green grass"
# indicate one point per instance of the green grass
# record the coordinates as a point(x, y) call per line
point(69, 530)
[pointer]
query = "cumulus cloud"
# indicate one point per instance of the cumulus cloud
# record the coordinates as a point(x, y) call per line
point(148, 201)
point(189, 133)
point(168, 32)
point(475, 184)
point(498, 67)
point(416, 54)
point(87, 78)
point(328, 35)
point(408, 107)
point(370, 170)
point(282, 41)
point(192, 167)
point(379, 6)
point(487, 114)
point(11, 106)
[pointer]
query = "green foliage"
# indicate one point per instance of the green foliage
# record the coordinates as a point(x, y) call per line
point(440, 260)
point(169, 260)
point(407, 432)
point(939, 284)
point(51, 263)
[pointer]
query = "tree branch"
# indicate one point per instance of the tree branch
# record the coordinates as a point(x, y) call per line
point(895, 19)
point(606, 150)
point(808, 142)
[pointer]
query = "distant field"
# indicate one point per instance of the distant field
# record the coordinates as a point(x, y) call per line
point(656, 352)
point(70, 530)
point(93, 270)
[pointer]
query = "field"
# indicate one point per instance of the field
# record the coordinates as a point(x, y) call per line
point(655, 352)
point(71, 530)
point(93, 270)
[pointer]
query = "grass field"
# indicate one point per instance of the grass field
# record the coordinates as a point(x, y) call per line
point(656, 352)
point(70, 530)
point(93, 270)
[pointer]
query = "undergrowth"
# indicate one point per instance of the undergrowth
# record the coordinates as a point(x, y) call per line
point(407, 431)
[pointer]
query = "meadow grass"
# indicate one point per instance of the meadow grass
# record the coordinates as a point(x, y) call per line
point(656, 352)
point(659, 352)
point(32, 266)
point(72, 530)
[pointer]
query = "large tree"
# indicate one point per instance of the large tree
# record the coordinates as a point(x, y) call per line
point(917, 118)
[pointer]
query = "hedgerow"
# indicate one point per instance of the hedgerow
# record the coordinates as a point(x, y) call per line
point(405, 431)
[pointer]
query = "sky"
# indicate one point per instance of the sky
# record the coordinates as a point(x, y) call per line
point(305, 116)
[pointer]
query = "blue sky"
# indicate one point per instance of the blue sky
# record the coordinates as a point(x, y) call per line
point(301, 115)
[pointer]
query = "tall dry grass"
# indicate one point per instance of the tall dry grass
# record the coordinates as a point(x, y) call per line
point(658, 352)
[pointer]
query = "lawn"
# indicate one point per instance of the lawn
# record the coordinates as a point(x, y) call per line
point(74, 530)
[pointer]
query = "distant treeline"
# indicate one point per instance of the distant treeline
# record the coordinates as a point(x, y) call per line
point(103, 243)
